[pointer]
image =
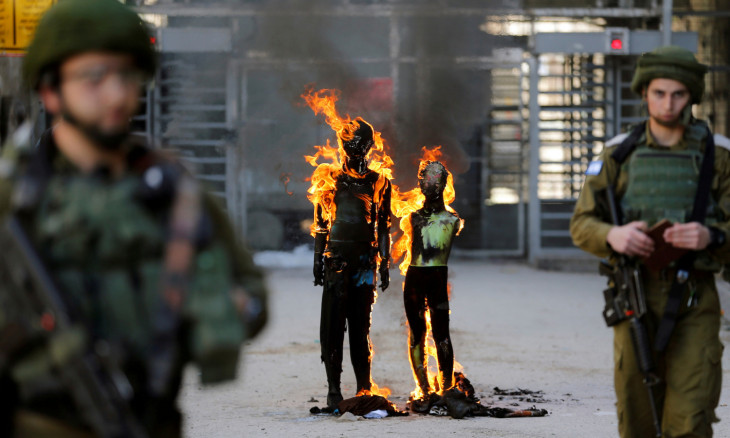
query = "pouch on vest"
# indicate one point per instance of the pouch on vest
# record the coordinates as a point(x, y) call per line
point(217, 329)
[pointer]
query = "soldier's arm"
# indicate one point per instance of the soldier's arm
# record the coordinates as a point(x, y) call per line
point(721, 193)
point(589, 225)
point(8, 169)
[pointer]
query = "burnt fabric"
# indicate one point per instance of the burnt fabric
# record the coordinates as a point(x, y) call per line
point(367, 403)
point(426, 289)
point(460, 401)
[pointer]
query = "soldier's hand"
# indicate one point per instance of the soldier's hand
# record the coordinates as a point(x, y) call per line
point(318, 270)
point(631, 239)
point(693, 235)
point(384, 277)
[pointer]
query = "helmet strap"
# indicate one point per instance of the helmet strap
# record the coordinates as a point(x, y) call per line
point(104, 140)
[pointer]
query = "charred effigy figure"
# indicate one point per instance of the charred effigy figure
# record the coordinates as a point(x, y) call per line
point(426, 287)
point(349, 246)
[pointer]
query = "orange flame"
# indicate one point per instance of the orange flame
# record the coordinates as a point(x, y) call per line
point(405, 203)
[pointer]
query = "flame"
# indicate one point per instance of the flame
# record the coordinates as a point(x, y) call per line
point(405, 203)
point(375, 390)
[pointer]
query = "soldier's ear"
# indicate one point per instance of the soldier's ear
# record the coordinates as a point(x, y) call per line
point(51, 98)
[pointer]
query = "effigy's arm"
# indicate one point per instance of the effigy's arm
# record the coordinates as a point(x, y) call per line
point(321, 232)
point(384, 236)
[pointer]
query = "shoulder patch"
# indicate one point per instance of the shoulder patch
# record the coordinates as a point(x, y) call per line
point(616, 140)
point(722, 141)
point(594, 168)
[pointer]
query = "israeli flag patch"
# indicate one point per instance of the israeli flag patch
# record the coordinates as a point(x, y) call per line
point(594, 168)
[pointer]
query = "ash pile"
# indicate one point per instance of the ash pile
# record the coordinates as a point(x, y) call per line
point(460, 401)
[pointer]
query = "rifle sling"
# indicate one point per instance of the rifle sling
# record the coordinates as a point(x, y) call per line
point(699, 211)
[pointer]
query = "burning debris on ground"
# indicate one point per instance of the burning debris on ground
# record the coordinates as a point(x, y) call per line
point(461, 401)
point(519, 394)
point(362, 405)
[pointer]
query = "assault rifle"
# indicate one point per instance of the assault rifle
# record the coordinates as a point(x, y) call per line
point(29, 296)
point(626, 300)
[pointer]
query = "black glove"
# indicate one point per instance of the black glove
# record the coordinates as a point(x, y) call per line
point(384, 276)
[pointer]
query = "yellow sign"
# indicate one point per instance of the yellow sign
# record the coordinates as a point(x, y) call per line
point(18, 20)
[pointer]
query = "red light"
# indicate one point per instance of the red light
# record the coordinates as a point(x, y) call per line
point(617, 44)
point(153, 40)
point(48, 322)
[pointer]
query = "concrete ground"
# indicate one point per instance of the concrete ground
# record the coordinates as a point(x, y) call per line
point(512, 327)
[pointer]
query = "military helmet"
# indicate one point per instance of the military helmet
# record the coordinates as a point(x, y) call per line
point(75, 26)
point(671, 62)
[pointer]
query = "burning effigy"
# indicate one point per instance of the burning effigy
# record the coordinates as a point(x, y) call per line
point(429, 226)
point(353, 199)
point(351, 194)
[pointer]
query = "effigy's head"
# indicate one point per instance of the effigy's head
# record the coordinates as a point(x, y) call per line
point(432, 176)
point(357, 140)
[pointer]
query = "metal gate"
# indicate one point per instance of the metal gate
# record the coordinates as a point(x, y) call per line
point(504, 162)
point(577, 102)
point(192, 110)
point(569, 125)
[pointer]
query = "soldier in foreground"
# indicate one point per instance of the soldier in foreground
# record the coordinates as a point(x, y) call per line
point(118, 270)
point(347, 250)
point(657, 201)
point(426, 288)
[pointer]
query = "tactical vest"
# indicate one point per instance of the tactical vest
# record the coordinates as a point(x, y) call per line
point(662, 184)
point(105, 249)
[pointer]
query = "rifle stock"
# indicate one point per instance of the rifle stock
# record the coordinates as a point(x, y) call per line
point(99, 388)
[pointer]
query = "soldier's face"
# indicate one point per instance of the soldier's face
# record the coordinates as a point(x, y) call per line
point(666, 98)
point(100, 90)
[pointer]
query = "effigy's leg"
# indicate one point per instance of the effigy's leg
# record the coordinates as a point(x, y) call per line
point(438, 303)
point(415, 306)
point(359, 309)
point(332, 329)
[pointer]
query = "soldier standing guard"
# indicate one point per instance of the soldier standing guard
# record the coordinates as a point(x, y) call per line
point(145, 264)
point(347, 251)
point(663, 172)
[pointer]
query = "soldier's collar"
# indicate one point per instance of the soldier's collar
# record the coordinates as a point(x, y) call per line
point(652, 143)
